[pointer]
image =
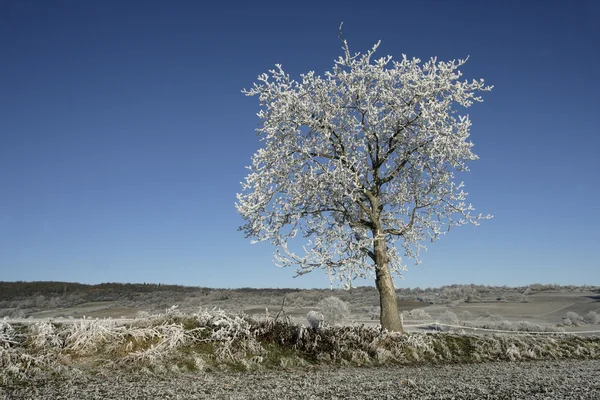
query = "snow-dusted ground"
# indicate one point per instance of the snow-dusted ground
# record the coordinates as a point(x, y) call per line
point(502, 380)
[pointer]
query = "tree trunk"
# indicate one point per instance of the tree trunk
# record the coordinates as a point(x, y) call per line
point(389, 317)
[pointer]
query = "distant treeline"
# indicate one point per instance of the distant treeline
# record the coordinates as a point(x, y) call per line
point(10, 291)
point(111, 291)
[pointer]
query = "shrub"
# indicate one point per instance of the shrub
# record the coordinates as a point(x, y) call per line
point(515, 297)
point(526, 326)
point(448, 317)
point(43, 335)
point(315, 319)
point(417, 314)
point(505, 326)
point(7, 334)
point(471, 297)
point(373, 312)
point(18, 314)
point(334, 310)
point(466, 315)
point(520, 326)
point(496, 318)
point(575, 318)
point(299, 301)
point(592, 318)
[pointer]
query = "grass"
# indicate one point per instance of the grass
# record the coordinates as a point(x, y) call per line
point(216, 340)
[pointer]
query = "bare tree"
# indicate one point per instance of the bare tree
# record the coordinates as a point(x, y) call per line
point(358, 162)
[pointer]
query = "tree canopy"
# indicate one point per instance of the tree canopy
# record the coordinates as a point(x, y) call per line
point(365, 154)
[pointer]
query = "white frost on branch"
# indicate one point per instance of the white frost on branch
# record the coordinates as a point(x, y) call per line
point(369, 150)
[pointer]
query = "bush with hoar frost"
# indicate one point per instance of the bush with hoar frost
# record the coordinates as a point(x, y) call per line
point(315, 319)
point(7, 334)
point(418, 314)
point(466, 315)
point(496, 318)
point(505, 326)
point(592, 318)
point(574, 318)
point(334, 310)
point(372, 312)
point(449, 318)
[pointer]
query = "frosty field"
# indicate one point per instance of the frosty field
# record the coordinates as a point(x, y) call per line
point(123, 341)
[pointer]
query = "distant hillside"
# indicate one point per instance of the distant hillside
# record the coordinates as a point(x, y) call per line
point(19, 290)
point(10, 291)
point(23, 299)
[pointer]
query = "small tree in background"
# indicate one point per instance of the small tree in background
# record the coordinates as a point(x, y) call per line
point(334, 310)
point(466, 315)
point(592, 318)
point(358, 163)
point(574, 318)
point(448, 317)
point(417, 314)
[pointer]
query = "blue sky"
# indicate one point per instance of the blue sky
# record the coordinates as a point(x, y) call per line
point(124, 135)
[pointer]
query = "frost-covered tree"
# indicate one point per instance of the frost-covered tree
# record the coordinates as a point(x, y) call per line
point(358, 164)
point(334, 310)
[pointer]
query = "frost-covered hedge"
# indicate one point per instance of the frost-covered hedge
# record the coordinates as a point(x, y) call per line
point(572, 318)
point(218, 340)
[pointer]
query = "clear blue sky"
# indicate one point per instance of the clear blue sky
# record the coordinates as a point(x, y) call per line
point(124, 135)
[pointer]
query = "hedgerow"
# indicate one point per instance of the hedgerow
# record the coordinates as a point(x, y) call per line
point(214, 339)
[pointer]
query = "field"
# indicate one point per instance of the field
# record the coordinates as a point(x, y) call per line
point(60, 340)
point(540, 305)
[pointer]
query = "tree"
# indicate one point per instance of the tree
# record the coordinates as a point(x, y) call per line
point(359, 161)
point(333, 309)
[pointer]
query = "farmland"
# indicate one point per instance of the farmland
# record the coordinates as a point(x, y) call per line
point(123, 341)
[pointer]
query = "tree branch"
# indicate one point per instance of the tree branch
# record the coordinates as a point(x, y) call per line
point(393, 140)
point(401, 165)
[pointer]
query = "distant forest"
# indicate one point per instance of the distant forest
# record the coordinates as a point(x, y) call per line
point(109, 291)
point(19, 290)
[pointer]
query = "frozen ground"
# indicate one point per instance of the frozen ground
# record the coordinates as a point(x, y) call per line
point(527, 380)
point(565, 379)
point(547, 308)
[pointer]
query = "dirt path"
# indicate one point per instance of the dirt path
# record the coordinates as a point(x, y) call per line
point(502, 380)
point(554, 311)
